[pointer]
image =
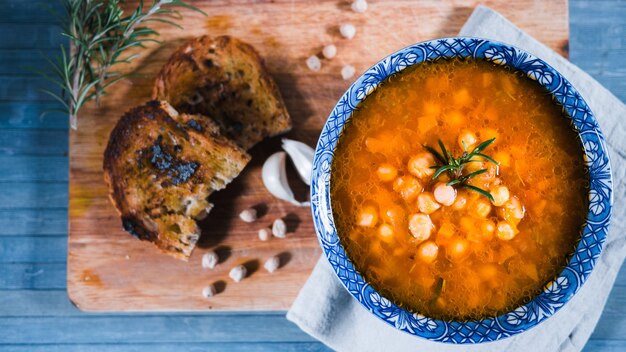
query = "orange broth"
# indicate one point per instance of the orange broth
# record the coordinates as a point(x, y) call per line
point(469, 269)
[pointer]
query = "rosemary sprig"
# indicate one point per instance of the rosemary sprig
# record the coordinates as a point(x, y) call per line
point(454, 167)
point(100, 34)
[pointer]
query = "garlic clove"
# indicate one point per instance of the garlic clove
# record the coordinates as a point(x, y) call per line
point(302, 157)
point(274, 175)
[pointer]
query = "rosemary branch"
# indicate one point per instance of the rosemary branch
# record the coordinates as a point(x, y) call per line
point(454, 167)
point(100, 35)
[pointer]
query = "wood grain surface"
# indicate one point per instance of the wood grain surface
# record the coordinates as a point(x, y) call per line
point(108, 270)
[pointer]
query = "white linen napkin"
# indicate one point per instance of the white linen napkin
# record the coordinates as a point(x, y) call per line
point(325, 310)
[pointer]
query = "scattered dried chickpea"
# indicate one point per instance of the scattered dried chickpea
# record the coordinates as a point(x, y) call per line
point(264, 234)
point(347, 72)
point(210, 260)
point(329, 51)
point(359, 6)
point(272, 264)
point(420, 226)
point(426, 203)
point(209, 291)
point(420, 165)
point(248, 215)
point(313, 63)
point(428, 251)
point(386, 172)
point(238, 273)
point(347, 30)
point(279, 228)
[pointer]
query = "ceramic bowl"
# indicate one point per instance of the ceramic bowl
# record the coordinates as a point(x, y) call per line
point(556, 293)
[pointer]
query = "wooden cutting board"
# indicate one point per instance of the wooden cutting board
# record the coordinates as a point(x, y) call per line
point(108, 270)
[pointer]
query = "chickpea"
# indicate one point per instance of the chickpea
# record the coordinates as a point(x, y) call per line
point(475, 165)
point(420, 165)
point(408, 187)
point(426, 203)
point(487, 228)
point(394, 215)
point(500, 195)
point(506, 231)
point(512, 211)
point(458, 248)
point(386, 232)
point(386, 172)
point(467, 139)
point(460, 202)
point(444, 194)
point(428, 251)
point(481, 207)
point(482, 232)
point(368, 216)
point(420, 226)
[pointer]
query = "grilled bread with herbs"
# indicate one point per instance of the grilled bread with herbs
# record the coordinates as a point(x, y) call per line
point(161, 166)
point(226, 79)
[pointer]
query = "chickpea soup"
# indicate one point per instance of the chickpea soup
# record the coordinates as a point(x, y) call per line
point(459, 189)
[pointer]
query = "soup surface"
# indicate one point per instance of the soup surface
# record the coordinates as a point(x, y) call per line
point(449, 252)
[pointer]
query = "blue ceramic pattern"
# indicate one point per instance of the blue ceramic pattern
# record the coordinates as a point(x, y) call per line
point(557, 292)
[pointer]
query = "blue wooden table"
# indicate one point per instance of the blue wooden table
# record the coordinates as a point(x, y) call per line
point(35, 314)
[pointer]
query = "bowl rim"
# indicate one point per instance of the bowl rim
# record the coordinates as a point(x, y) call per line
point(557, 292)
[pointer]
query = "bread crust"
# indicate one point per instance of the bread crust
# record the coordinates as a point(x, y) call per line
point(160, 168)
point(224, 78)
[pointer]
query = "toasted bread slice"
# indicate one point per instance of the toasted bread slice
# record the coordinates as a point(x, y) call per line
point(226, 79)
point(161, 167)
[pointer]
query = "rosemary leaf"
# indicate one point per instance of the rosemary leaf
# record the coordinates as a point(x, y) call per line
point(436, 154)
point(446, 154)
point(478, 190)
point(454, 167)
point(100, 32)
point(472, 174)
point(487, 157)
point(482, 146)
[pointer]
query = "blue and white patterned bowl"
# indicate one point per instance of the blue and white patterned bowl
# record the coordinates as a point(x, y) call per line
point(557, 292)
